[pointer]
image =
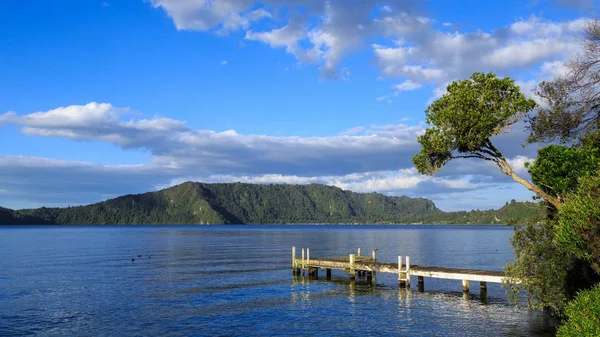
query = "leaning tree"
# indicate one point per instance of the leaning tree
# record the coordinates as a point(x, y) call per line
point(464, 120)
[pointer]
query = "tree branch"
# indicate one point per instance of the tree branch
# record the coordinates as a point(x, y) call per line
point(506, 169)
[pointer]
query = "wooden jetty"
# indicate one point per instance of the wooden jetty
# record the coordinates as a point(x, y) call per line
point(369, 266)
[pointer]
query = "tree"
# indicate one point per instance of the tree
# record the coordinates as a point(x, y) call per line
point(464, 120)
point(541, 267)
point(578, 229)
point(572, 109)
point(558, 169)
point(583, 315)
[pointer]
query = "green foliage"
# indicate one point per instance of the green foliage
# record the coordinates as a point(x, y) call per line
point(237, 203)
point(511, 213)
point(583, 315)
point(464, 120)
point(199, 203)
point(557, 169)
point(10, 217)
point(578, 229)
point(541, 266)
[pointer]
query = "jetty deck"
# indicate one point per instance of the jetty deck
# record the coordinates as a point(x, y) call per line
point(356, 264)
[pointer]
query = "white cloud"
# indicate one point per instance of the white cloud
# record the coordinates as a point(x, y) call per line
point(386, 8)
point(324, 32)
point(363, 159)
point(553, 69)
point(423, 54)
point(174, 144)
point(353, 131)
point(518, 164)
point(407, 86)
point(525, 53)
point(314, 31)
point(229, 15)
point(60, 183)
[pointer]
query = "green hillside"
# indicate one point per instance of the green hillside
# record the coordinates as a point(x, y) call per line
point(238, 203)
point(513, 212)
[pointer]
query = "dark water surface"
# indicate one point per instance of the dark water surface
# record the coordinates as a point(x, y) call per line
point(236, 280)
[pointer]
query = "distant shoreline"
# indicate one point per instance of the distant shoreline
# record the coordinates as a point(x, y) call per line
point(240, 225)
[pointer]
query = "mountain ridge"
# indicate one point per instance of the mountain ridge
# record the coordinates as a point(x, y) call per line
point(242, 203)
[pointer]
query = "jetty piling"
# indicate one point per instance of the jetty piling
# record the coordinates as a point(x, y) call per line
point(352, 262)
point(365, 266)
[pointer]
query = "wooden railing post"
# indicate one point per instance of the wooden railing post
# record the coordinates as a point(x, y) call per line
point(408, 272)
point(358, 252)
point(302, 265)
point(352, 260)
point(401, 282)
point(294, 260)
point(307, 255)
point(374, 254)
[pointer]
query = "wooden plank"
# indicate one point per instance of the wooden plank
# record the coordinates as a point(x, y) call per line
point(458, 276)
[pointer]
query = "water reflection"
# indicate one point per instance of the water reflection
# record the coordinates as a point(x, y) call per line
point(236, 281)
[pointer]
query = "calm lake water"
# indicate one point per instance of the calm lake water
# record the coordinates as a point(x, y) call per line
point(236, 280)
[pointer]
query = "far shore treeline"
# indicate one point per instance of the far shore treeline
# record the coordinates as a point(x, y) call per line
point(239, 203)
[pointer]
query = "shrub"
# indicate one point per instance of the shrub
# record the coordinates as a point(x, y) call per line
point(583, 315)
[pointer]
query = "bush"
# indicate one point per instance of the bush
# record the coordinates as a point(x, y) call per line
point(541, 267)
point(578, 229)
point(583, 315)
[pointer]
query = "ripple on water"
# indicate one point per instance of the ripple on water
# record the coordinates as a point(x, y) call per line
point(236, 281)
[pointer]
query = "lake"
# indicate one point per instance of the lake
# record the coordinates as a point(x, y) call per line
point(237, 280)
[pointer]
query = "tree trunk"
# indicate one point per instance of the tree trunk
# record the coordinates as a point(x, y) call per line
point(506, 169)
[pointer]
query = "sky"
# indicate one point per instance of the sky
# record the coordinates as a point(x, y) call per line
point(104, 98)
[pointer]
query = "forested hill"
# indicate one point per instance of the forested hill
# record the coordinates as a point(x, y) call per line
point(238, 203)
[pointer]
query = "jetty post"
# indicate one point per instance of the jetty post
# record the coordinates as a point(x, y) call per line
point(404, 272)
point(359, 272)
point(372, 275)
point(295, 268)
point(408, 272)
point(401, 277)
point(302, 261)
point(482, 289)
point(465, 286)
point(420, 284)
point(352, 261)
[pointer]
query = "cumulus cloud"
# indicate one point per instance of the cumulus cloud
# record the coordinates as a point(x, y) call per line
point(362, 159)
point(54, 182)
point(423, 54)
point(407, 86)
point(314, 31)
point(229, 15)
point(324, 32)
point(174, 144)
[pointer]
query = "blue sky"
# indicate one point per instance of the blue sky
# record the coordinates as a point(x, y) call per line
point(103, 98)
